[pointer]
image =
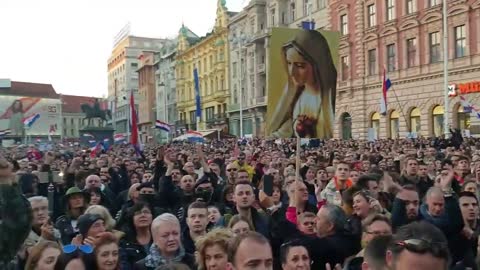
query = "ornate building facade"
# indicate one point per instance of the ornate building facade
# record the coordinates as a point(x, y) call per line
point(209, 55)
point(405, 38)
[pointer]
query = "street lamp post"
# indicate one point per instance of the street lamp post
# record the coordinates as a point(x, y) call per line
point(164, 101)
point(445, 69)
point(241, 41)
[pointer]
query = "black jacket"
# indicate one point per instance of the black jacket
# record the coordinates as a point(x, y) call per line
point(130, 253)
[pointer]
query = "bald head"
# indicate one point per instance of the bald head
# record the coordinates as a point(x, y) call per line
point(435, 201)
point(93, 181)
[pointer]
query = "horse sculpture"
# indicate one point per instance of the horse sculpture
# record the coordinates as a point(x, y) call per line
point(92, 112)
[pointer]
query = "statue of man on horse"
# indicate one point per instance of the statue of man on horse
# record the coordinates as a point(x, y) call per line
point(92, 112)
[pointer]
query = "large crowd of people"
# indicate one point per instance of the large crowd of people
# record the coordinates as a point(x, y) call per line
point(242, 204)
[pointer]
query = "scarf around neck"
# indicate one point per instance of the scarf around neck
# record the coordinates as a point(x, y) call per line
point(155, 259)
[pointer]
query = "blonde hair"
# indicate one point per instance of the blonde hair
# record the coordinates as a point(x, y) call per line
point(218, 236)
point(104, 213)
point(36, 253)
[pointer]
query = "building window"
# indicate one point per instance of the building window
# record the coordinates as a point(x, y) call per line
point(211, 61)
point(292, 12)
point(434, 41)
point(437, 117)
point(209, 113)
point(234, 71)
point(463, 118)
point(306, 8)
point(372, 19)
point(193, 117)
point(343, 24)
point(345, 67)
point(134, 65)
point(415, 121)
point(411, 51)
point(394, 124)
point(372, 61)
point(391, 57)
point(272, 16)
point(432, 3)
point(460, 41)
point(410, 7)
point(375, 124)
point(322, 4)
point(390, 5)
point(235, 94)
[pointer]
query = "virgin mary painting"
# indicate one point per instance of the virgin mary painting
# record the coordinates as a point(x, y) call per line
point(307, 104)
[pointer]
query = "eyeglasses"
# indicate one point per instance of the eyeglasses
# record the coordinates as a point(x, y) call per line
point(423, 246)
point(87, 249)
point(233, 169)
point(376, 233)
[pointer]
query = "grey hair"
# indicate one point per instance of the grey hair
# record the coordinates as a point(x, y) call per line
point(336, 216)
point(37, 199)
point(164, 218)
point(434, 190)
point(104, 213)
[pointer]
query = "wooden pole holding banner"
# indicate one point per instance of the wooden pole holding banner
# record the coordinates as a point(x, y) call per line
point(297, 169)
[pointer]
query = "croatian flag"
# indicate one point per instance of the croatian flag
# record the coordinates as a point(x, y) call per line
point(29, 121)
point(162, 125)
point(134, 140)
point(383, 100)
point(88, 135)
point(4, 132)
point(194, 136)
point(469, 107)
point(95, 150)
point(118, 138)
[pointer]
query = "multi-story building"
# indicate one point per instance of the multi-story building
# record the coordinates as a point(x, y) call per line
point(405, 38)
point(209, 56)
point(146, 92)
point(166, 108)
point(123, 77)
point(249, 34)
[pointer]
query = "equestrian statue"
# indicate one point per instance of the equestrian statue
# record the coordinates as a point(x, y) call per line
point(92, 112)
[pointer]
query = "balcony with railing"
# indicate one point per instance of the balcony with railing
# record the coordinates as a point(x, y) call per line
point(233, 107)
point(181, 122)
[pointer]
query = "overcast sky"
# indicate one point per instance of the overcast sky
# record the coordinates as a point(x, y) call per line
point(68, 45)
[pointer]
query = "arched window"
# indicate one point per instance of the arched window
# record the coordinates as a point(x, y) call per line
point(463, 118)
point(394, 124)
point(437, 117)
point(375, 124)
point(415, 120)
point(346, 126)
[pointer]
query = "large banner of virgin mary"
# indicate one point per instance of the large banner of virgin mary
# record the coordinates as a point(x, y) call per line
point(302, 78)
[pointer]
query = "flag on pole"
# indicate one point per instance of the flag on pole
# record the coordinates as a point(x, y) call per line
point(386, 84)
point(134, 140)
point(118, 138)
point(162, 125)
point(29, 121)
point(197, 94)
point(469, 107)
point(95, 150)
point(194, 136)
point(4, 132)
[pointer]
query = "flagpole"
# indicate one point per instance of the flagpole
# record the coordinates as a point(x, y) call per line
point(445, 70)
point(129, 116)
point(401, 109)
